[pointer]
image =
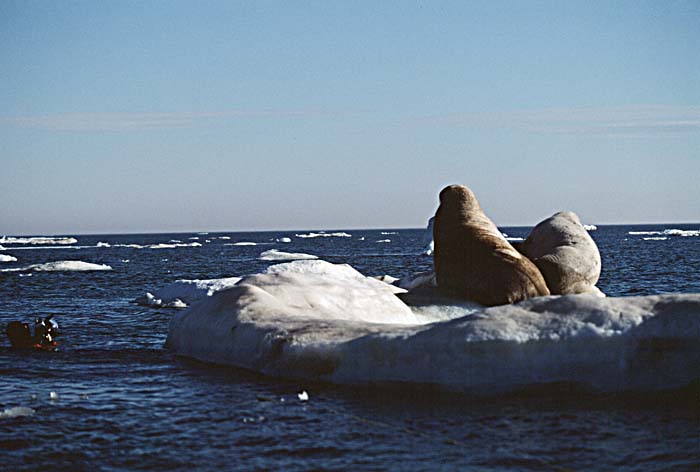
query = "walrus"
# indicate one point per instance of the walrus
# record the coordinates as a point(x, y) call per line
point(473, 260)
point(565, 253)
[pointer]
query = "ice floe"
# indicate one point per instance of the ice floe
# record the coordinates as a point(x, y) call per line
point(175, 245)
point(321, 321)
point(38, 240)
point(242, 243)
point(275, 255)
point(16, 412)
point(283, 240)
point(323, 234)
point(7, 258)
point(183, 292)
point(590, 227)
point(667, 232)
point(384, 241)
point(60, 266)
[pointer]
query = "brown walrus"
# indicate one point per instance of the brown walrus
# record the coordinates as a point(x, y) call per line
point(472, 258)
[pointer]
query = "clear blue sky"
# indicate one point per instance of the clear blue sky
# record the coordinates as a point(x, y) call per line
point(120, 116)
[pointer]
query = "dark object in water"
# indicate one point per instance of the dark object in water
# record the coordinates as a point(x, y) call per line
point(44, 333)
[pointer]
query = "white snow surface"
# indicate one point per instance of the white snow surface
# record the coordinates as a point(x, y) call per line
point(275, 255)
point(321, 321)
point(61, 266)
point(38, 240)
point(183, 292)
point(7, 258)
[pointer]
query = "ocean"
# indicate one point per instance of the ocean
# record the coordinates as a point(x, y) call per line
point(113, 398)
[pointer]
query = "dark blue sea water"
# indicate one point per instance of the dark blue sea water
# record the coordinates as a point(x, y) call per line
point(113, 399)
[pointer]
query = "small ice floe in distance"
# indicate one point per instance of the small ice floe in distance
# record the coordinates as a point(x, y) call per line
point(303, 396)
point(283, 240)
point(39, 240)
point(323, 234)
point(7, 258)
point(173, 246)
point(16, 412)
point(242, 243)
point(61, 266)
point(590, 227)
point(686, 233)
point(384, 241)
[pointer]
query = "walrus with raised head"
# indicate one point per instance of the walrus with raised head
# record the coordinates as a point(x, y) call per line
point(565, 253)
point(472, 258)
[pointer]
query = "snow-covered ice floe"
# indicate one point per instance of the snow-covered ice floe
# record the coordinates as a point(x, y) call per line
point(38, 240)
point(275, 255)
point(61, 266)
point(323, 234)
point(183, 292)
point(7, 258)
point(667, 232)
point(321, 321)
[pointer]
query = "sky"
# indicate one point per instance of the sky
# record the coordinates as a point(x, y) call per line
point(120, 116)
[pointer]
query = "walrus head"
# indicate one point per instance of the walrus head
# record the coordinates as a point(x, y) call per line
point(459, 199)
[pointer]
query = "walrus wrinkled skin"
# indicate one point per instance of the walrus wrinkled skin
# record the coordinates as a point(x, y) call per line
point(473, 260)
point(565, 253)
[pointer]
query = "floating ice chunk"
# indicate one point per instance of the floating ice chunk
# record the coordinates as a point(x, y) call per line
point(284, 240)
point(103, 244)
point(384, 241)
point(655, 238)
point(183, 292)
point(590, 227)
point(194, 238)
point(303, 396)
point(7, 258)
point(667, 232)
point(242, 243)
point(2, 248)
point(388, 232)
point(61, 266)
point(275, 255)
point(321, 321)
point(16, 412)
point(38, 240)
point(225, 238)
point(53, 396)
point(323, 234)
point(173, 246)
